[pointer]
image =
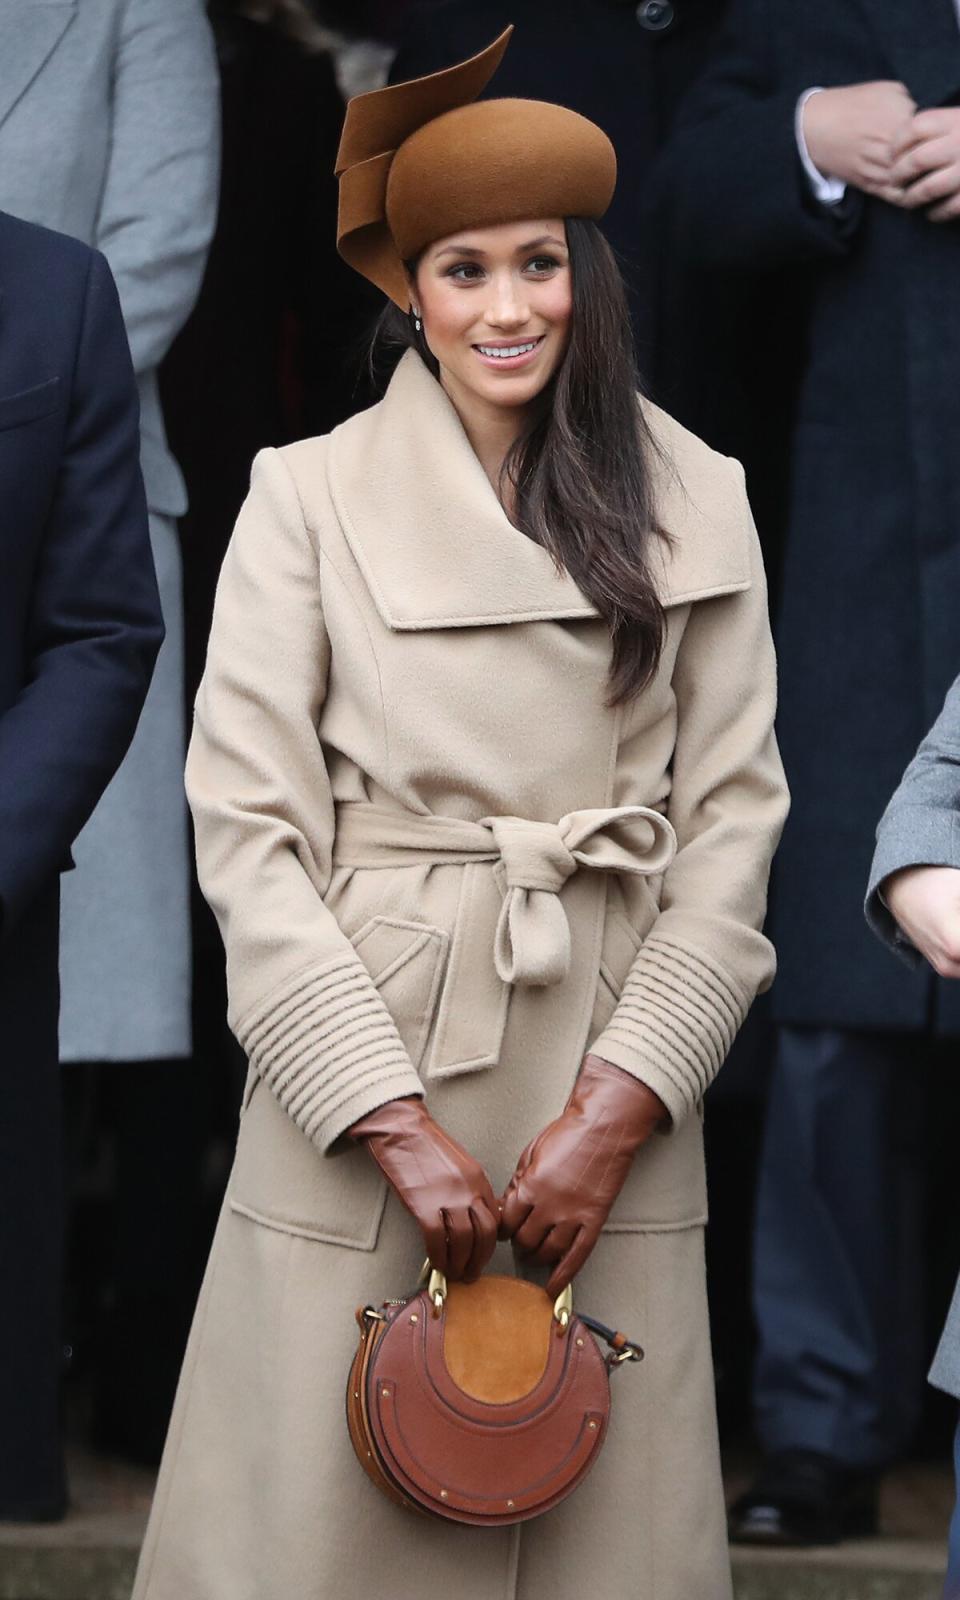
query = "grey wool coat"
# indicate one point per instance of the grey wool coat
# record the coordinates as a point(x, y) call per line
point(921, 827)
point(443, 865)
point(109, 131)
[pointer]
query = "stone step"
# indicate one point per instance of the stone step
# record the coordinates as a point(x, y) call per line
point(871, 1569)
point(92, 1554)
point(87, 1566)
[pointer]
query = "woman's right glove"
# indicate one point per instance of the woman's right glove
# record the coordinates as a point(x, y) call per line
point(446, 1191)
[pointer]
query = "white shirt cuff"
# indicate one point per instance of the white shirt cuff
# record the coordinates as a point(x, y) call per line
point(829, 191)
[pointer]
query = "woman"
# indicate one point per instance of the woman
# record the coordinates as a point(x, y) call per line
point(461, 707)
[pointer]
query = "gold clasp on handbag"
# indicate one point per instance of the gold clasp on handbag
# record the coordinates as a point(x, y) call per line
point(437, 1290)
point(563, 1308)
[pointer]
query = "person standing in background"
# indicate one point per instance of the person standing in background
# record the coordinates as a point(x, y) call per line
point(109, 132)
point(79, 632)
point(913, 905)
point(822, 147)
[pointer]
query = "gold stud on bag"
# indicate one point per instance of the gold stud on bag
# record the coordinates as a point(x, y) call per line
point(482, 1402)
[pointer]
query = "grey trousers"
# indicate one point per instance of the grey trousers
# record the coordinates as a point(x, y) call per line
point(125, 911)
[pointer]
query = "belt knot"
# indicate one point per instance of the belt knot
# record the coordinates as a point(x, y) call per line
point(532, 940)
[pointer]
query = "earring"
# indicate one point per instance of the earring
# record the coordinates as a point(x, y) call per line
point(416, 321)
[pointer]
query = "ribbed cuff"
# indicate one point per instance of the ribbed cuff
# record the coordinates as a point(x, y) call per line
point(676, 1020)
point(329, 1049)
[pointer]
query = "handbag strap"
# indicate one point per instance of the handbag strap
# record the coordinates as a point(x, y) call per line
point(621, 1348)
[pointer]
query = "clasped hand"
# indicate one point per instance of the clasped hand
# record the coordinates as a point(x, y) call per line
point(872, 136)
point(559, 1197)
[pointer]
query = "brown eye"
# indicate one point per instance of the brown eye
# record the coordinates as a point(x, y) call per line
point(465, 272)
point(542, 264)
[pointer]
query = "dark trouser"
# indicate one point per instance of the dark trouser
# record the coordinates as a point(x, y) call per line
point(838, 1285)
point(146, 1256)
point(32, 1479)
point(951, 1588)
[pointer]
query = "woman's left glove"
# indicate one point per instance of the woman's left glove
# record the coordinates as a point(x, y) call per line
point(569, 1176)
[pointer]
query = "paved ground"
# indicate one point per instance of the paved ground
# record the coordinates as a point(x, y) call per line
point(91, 1556)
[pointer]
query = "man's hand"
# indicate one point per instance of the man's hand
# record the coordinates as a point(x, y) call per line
point(926, 167)
point(855, 134)
point(926, 903)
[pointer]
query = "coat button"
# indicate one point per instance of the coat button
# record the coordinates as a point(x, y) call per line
point(655, 15)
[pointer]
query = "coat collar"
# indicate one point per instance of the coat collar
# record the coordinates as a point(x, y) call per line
point(433, 542)
point(29, 34)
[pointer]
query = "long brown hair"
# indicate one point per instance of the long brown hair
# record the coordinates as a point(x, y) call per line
point(581, 469)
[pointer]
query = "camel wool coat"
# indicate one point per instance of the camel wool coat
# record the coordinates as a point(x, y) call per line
point(442, 865)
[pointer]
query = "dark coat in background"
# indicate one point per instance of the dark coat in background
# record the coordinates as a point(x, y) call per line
point(79, 632)
point(867, 631)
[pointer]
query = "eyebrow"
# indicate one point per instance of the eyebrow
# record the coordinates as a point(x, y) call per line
point(472, 250)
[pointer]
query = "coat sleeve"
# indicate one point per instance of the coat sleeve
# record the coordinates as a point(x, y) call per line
point(705, 958)
point(94, 627)
point(159, 200)
point(301, 1002)
point(921, 825)
point(730, 189)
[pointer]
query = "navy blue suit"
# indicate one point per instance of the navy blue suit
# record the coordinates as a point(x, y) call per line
point(80, 628)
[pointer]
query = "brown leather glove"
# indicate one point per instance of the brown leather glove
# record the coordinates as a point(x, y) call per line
point(446, 1192)
point(569, 1176)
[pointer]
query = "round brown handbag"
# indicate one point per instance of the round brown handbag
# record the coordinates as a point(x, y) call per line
point(481, 1402)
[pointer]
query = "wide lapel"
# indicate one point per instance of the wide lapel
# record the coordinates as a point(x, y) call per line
point(424, 524)
point(437, 551)
point(921, 39)
point(30, 31)
point(703, 511)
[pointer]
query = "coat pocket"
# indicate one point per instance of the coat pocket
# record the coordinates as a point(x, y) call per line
point(30, 404)
point(406, 961)
point(280, 1179)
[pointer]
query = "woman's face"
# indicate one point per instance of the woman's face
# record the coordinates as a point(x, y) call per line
point(496, 305)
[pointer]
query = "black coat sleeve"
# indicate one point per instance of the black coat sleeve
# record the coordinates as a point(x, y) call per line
point(729, 188)
point(94, 625)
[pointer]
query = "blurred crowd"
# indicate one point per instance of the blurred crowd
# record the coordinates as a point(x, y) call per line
point(788, 222)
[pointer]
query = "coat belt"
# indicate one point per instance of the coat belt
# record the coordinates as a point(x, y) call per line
point(516, 907)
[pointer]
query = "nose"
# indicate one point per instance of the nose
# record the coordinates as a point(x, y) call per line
point(507, 306)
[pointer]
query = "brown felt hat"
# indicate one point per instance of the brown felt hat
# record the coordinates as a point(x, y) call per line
point(420, 160)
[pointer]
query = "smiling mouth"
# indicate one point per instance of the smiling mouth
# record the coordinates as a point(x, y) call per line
point(509, 352)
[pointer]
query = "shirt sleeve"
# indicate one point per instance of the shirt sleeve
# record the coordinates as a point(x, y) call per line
point(829, 191)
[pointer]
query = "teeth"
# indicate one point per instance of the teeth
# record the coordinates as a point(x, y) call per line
point(501, 352)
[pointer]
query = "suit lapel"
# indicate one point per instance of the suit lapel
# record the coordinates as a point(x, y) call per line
point(921, 40)
point(29, 34)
